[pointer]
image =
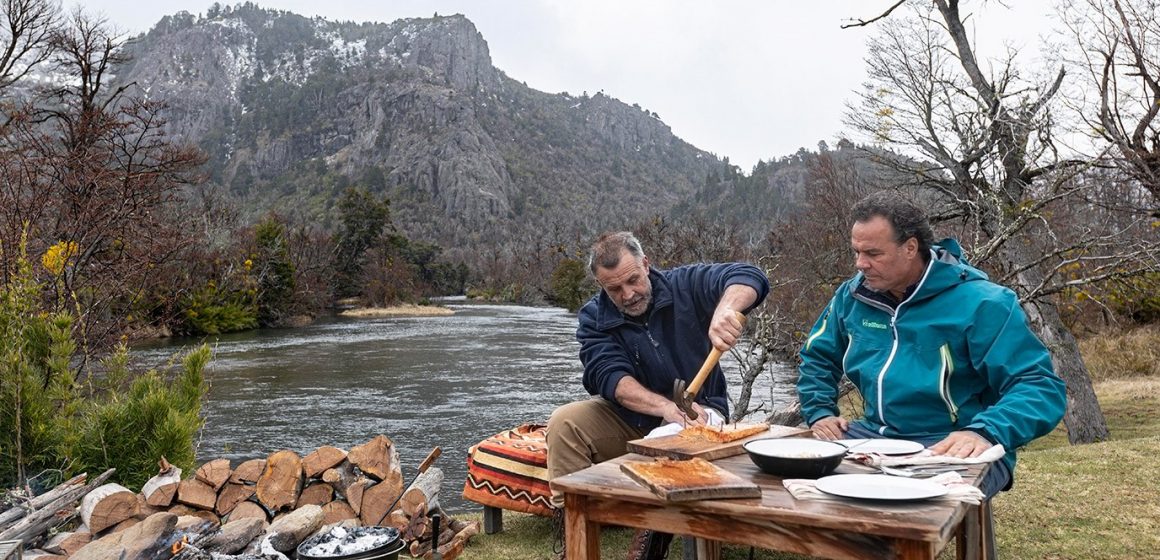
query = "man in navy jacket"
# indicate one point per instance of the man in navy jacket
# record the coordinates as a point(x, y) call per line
point(644, 330)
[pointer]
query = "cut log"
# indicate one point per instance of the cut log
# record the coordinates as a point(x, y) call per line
point(320, 459)
point(376, 458)
point(414, 529)
point(231, 495)
point(144, 509)
point(235, 535)
point(453, 549)
point(281, 482)
point(317, 493)
point(67, 542)
point(107, 506)
point(354, 493)
point(38, 554)
point(215, 473)
point(337, 511)
point(11, 515)
point(249, 471)
point(160, 490)
point(376, 500)
point(196, 494)
point(423, 495)
point(286, 533)
point(249, 508)
point(54, 513)
point(341, 476)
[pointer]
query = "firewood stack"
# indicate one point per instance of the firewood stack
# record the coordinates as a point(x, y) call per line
point(261, 507)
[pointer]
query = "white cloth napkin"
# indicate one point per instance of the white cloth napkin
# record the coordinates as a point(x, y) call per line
point(958, 490)
point(713, 419)
point(925, 457)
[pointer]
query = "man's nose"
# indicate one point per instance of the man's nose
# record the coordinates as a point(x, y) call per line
point(861, 262)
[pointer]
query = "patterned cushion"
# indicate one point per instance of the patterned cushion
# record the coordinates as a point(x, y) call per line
point(510, 470)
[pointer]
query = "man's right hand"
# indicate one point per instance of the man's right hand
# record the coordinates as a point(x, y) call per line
point(830, 427)
point(674, 413)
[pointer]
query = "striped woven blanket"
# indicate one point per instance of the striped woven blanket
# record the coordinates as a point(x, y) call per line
point(510, 470)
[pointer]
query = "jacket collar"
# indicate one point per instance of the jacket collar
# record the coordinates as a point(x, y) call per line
point(609, 317)
point(945, 270)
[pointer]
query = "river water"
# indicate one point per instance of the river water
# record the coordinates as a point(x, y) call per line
point(445, 381)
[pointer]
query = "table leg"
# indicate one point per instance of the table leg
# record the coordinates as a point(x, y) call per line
point(708, 550)
point(581, 536)
point(976, 535)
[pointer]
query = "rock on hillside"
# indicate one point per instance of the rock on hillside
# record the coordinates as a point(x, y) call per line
point(292, 110)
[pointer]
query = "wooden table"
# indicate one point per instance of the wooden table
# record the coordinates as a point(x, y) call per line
point(851, 529)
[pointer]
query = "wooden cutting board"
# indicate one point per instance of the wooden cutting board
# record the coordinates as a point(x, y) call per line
point(680, 447)
point(678, 480)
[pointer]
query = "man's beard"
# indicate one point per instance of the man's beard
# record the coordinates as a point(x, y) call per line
point(637, 308)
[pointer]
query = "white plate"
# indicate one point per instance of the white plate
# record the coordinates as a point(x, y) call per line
point(883, 446)
point(879, 487)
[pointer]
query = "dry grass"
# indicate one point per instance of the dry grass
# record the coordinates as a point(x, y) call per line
point(1134, 353)
point(404, 310)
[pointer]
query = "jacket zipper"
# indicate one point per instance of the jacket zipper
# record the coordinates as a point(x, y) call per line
point(948, 369)
point(894, 346)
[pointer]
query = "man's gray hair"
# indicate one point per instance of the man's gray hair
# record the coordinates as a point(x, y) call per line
point(605, 253)
point(905, 217)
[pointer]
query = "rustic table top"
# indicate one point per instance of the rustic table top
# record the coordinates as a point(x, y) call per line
point(775, 520)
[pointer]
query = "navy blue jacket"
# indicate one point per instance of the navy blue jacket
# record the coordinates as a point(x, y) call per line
point(672, 343)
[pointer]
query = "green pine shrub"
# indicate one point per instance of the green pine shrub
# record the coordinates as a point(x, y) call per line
point(132, 420)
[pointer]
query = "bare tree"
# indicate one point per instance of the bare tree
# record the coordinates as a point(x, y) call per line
point(93, 172)
point(1117, 56)
point(982, 153)
point(24, 37)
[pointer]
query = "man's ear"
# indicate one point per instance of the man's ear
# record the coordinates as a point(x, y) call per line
point(911, 247)
point(644, 261)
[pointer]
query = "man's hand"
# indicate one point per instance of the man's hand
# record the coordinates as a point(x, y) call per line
point(830, 427)
point(675, 414)
point(961, 444)
point(725, 328)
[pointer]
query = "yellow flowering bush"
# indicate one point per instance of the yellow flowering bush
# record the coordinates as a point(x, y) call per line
point(58, 256)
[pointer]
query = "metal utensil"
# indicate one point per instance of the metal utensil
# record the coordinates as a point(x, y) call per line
point(434, 454)
point(919, 472)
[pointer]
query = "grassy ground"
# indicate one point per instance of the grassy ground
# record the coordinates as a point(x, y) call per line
point(1089, 502)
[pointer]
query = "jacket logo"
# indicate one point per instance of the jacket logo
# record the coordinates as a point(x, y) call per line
point(874, 324)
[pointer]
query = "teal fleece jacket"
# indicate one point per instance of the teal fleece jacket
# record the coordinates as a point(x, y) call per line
point(957, 354)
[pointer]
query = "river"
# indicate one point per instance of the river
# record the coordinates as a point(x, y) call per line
point(445, 381)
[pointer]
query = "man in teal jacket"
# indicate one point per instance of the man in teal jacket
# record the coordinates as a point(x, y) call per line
point(940, 354)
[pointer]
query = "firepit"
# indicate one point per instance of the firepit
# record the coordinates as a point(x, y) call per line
point(353, 543)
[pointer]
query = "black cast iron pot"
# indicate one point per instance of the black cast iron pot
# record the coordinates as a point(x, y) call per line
point(331, 546)
point(796, 457)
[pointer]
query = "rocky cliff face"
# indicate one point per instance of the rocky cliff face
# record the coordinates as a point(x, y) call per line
point(291, 110)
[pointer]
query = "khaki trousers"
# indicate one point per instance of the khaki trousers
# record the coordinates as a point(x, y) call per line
point(584, 433)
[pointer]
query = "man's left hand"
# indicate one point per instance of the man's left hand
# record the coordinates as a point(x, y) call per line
point(962, 444)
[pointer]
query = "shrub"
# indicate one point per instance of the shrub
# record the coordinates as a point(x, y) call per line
point(120, 418)
point(131, 428)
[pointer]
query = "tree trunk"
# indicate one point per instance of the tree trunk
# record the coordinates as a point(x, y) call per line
point(1084, 418)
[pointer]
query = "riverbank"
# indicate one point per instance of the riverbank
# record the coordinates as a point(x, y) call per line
point(404, 310)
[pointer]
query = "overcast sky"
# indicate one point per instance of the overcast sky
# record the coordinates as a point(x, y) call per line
point(744, 79)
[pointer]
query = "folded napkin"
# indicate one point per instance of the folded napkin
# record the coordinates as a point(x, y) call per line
point(713, 419)
point(958, 490)
point(925, 457)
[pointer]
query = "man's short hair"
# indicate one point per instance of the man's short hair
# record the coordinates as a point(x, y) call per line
point(605, 253)
point(905, 217)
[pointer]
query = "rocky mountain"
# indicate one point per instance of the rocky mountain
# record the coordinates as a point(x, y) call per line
point(292, 110)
